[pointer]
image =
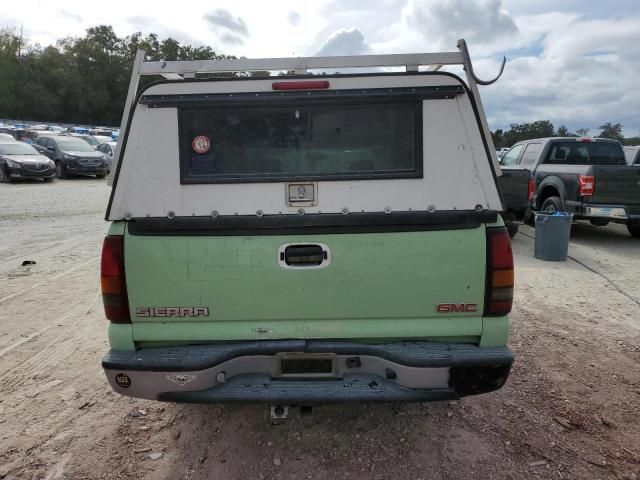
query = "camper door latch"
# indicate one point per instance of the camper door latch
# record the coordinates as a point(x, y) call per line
point(301, 194)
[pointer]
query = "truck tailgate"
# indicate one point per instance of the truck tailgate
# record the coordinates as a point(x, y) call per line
point(377, 285)
point(616, 185)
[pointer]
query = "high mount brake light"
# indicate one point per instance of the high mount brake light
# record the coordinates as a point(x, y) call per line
point(586, 185)
point(584, 140)
point(112, 280)
point(303, 85)
point(499, 285)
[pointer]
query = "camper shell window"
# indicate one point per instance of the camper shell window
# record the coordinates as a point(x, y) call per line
point(310, 140)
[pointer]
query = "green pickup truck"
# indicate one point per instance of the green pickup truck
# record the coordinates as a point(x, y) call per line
point(306, 239)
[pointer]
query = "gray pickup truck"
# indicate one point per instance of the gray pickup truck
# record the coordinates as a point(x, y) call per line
point(588, 177)
point(517, 188)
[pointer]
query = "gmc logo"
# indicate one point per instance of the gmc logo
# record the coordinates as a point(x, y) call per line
point(456, 307)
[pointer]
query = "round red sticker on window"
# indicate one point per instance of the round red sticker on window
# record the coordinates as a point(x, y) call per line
point(201, 144)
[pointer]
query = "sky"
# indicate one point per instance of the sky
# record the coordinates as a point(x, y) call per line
point(574, 62)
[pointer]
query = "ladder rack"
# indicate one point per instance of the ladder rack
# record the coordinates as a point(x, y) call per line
point(300, 65)
point(180, 70)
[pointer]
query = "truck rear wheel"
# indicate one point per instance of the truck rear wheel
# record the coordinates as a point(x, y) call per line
point(512, 228)
point(634, 230)
point(552, 205)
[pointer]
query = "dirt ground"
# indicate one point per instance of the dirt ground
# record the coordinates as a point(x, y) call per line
point(570, 409)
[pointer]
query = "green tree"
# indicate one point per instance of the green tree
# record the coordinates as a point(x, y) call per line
point(170, 49)
point(11, 72)
point(582, 132)
point(526, 131)
point(609, 130)
point(542, 128)
point(79, 80)
point(498, 138)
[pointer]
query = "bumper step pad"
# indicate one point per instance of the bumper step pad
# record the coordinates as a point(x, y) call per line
point(352, 388)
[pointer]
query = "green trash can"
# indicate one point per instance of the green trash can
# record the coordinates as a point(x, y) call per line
point(552, 235)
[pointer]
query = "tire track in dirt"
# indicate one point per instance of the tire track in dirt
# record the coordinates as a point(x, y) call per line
point(612, 284)
point(27, 317)
point(54, 351)
point(39, 249)
point(45, 283)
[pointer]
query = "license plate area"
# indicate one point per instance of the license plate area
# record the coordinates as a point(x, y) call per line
point(610, 212)
point(300, 365)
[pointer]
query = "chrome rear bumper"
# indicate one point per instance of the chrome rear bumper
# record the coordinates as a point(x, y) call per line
point(251, 372)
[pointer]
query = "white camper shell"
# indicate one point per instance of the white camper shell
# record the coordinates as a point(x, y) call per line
point(371, 142)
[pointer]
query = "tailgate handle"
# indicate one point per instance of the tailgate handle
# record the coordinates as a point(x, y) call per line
point(303, 255)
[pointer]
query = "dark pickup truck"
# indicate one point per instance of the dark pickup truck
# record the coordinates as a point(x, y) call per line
point(588, 177)
point(517, 187)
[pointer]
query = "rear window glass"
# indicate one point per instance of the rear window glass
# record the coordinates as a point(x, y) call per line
point(90, 140)
point(633, 155)
point(583, 153)
point(17, 148)
point(306, 141)
point(74, 145)
point(531, 154)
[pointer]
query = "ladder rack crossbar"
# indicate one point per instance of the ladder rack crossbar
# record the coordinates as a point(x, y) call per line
point(413, 60)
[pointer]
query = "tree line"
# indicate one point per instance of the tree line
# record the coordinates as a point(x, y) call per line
point(79, 80)
point(84, 80)
point(544, 128)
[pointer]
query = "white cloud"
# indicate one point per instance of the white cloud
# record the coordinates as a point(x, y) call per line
point(436, 25)
point(293, 18)
point(445, 21)
point(150, 25)
point(574, 62)
point(229, 30)
point(344, 42)
point(222, 18)
point(580, 80)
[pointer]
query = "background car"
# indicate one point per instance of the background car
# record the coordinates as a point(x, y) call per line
point(90, 139)
point(103, 138)
point(7, 129)
point(101, 131)
point(19, 160)
point(80, 130)
point(31, 136)
point(17, 133)
point(72, 156)
point(108, 149)
point(500, 153)
point(6, 137)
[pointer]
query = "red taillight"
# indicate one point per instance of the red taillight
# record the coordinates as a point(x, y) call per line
point(304, 85)
point(587, 185)
point(531, 189)
point(499, 288)
point(112, 282)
